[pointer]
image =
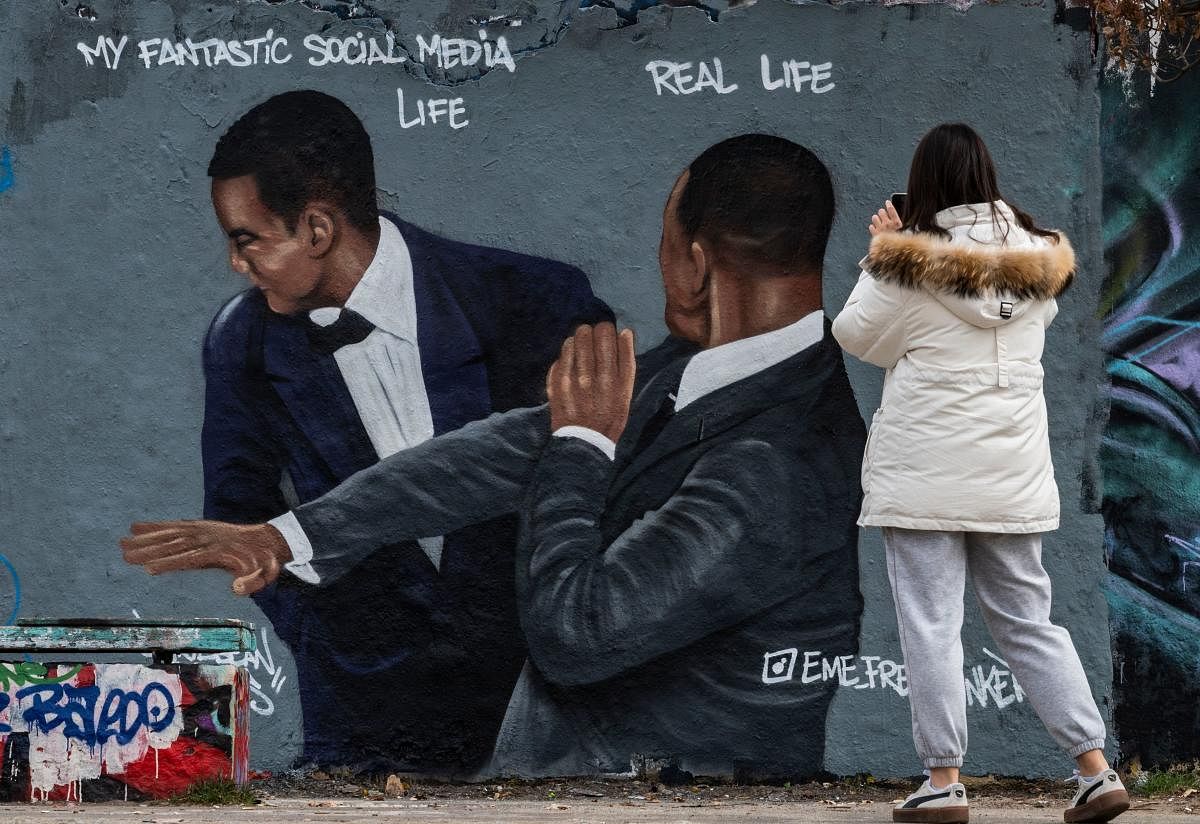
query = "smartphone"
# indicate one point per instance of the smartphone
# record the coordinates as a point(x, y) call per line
point(898, 200)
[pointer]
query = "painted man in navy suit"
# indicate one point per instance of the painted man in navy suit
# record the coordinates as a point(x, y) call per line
point(364, 335)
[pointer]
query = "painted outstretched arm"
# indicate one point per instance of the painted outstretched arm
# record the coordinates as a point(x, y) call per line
point(462, 478)
point(465, 477)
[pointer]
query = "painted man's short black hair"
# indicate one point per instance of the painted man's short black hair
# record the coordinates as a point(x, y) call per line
point(760, 200)
point(302, 146)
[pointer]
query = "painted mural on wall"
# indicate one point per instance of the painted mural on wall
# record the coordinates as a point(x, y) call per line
point(621, 559)
point(94, 732)
point(1150, 451)
point(367, 286)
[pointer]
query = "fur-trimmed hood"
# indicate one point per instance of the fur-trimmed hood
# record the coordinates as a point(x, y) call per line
point(972, 270)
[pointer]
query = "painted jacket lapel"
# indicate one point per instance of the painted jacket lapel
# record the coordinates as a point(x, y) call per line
point(315, 395)
point(453, 361)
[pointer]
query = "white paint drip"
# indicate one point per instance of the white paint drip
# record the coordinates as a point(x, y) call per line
point(1155, 42)
point(56, 760)
point(134, 678)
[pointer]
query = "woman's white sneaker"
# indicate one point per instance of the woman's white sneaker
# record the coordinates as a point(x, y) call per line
point(947, 805)
point(1102, 798)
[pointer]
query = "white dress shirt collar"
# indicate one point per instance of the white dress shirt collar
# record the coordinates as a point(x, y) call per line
point(723, 365)
point(382, 373)
point(384, 294)
point(720, 366)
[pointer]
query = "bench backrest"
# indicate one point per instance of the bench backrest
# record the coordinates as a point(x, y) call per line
point(40, 635)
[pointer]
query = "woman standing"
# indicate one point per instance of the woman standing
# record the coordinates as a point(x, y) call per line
point(953, 302)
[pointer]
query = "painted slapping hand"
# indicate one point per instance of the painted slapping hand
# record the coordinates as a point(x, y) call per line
point(253, 554)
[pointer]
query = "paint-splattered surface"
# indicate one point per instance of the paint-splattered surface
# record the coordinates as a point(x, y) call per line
point(89, 732)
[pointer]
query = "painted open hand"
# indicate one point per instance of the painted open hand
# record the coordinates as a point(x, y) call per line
point(591, 383)
point(253, 553)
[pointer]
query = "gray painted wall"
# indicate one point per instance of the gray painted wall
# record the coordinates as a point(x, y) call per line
point(113, 264)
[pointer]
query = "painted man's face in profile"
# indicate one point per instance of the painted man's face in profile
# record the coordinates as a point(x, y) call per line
point(263, 248)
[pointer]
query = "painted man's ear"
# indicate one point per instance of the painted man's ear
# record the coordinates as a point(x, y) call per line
point(320, 228)
point(701, 260)
point(688, 311)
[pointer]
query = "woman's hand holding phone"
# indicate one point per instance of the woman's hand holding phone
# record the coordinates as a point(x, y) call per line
point(886, 219)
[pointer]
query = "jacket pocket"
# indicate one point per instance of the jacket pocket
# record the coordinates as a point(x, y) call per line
point(872, 435)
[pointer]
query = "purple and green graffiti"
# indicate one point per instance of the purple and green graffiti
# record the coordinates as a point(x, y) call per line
point(1149, 453)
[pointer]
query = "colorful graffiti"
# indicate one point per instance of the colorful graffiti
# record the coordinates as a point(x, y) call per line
point(100, 731)
point(1150, 451)
point(265, 676)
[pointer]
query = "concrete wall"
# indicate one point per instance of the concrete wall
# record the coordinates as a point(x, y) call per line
point(114, 266)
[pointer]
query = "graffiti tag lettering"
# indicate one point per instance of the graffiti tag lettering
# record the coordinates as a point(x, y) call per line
point(448, 52)
point(678, 78)
point(214, 52)
point(21, 674)
point(352, 50)
point(796, 74)
point(685, 78)
point(259, 663)
point(452, 111)
point(986, 685)
point(84, 717)
point(997, 684)
point(106, 48)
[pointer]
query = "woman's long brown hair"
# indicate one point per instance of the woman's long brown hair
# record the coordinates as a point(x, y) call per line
point(951, 167)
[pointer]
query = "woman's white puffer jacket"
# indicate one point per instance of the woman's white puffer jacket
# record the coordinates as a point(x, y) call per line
point(959, 442)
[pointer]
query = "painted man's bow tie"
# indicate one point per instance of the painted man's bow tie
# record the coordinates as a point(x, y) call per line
point(350, 327)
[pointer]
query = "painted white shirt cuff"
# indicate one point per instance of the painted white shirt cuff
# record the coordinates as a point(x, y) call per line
point(302, 551)
point(601, 442)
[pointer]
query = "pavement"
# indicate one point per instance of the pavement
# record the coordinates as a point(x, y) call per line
point(326, 811)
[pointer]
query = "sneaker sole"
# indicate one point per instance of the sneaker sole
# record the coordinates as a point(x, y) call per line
point(937, 815)
point(1105, 808)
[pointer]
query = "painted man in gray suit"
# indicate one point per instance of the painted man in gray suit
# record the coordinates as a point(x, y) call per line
point(688, 533)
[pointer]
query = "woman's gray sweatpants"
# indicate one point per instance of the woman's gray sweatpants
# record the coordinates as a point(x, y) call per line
point(928, 571)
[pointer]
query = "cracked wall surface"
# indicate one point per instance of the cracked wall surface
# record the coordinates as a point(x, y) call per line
point(114, 265)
